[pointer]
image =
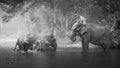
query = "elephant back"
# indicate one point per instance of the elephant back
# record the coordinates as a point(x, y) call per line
point(98, 31)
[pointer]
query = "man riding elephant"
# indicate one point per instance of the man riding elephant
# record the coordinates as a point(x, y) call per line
point(93, 33)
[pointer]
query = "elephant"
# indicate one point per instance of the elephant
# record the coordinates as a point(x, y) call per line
point(46, 43)
point(96, 34)
point(25, 42)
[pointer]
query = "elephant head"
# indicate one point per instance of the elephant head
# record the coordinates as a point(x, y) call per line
point(78, 29)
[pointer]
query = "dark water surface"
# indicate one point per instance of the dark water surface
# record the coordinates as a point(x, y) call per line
point(63, 58)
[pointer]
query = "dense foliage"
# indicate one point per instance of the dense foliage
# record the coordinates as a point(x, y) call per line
point(60, 15)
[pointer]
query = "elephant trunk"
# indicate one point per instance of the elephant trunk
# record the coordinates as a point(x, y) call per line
point(72, 37)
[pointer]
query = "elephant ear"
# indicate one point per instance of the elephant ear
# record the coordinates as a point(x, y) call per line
point(83, 30)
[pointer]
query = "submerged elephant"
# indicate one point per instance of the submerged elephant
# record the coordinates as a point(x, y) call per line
point(93, 33)
point(47, 43)
point(25, 42)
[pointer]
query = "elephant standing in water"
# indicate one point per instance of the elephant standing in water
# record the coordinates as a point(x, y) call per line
point(34, 42)
point(47, 43)
point(25, 42)
point(93, 33)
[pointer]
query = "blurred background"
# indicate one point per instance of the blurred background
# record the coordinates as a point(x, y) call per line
point(18, 17)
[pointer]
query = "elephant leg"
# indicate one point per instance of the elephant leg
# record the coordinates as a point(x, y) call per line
point(20, 46)
point(105, 48)
point(15, 47)
point(17, 44)
point(25, 46)
point(85, 44)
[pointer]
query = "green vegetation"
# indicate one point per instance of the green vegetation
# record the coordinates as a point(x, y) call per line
point(44, 15)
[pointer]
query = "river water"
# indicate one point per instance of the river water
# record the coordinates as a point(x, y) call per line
point(62, 58)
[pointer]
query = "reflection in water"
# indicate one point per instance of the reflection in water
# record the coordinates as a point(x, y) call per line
point(59, 59)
